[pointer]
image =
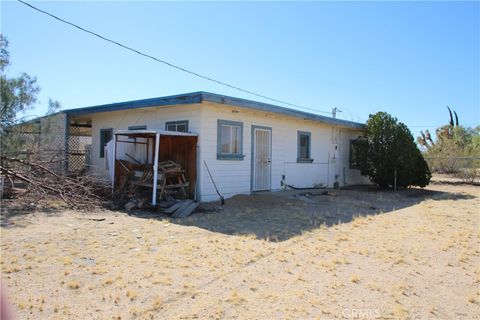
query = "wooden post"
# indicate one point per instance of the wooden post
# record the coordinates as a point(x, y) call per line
point(395, 180)
point(65, 156)
point(114, 155)
point(155, 169)
point(148, 160)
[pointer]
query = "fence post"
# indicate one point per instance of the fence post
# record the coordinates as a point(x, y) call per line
point(395, 180)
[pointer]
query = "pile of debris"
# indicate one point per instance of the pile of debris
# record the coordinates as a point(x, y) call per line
point(32, 181)
point(171, 181)
point(135, 180)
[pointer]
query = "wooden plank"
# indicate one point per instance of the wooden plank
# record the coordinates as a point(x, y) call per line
point(173, 186)
point(143, 184)
point(135, 160)
point(124, 166)
point(184, 204)
point(185, 212)
point(172, 209)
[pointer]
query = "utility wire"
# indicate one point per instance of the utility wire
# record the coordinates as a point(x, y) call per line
point(168, 63)
point(439, 125)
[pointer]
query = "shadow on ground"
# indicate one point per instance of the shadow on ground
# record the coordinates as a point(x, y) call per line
point(455, 183)
point(278, 216)
point(11, 208)
point(281, 215)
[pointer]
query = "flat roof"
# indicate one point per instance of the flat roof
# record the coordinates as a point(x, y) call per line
point(153, 132)
point(202, 96)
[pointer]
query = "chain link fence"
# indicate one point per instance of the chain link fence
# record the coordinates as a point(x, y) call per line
point(465, 168)
point(62, 146)
point(79, 146)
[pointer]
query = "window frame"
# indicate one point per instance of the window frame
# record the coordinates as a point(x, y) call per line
point(176, 123)
point(142, 127)
point(229, 156)
point(351, 161)
point(103, 143)
point(309, 158)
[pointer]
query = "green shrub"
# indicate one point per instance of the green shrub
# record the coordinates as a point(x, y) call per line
point(386, 150)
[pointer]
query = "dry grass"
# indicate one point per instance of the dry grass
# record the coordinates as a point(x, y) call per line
point(74, 284)
point(288, 265)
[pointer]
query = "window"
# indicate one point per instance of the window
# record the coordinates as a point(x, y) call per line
point(356, 155)
point(229, 140)
point(180, 126)
point(304, 147)
point(144, 127)
point(105, 136)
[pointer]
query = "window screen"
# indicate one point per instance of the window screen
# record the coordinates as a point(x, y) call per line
point(229, 140)
point(179, 126)
point(105, 136)
point(304, 147)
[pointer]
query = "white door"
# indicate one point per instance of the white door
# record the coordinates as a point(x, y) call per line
point(262, 162)
point(333, 163)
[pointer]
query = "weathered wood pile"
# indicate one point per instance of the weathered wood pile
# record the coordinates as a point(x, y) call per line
point(136, 180)
point(171, 181)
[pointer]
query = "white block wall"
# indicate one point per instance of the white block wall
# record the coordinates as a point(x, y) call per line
point(233, 176)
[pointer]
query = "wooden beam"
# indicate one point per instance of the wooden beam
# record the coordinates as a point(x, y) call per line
point(114, 155)
point(155, 169)
point(185, 211)
point(173, 208)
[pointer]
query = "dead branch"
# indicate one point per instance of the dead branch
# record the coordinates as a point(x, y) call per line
point(77, 191)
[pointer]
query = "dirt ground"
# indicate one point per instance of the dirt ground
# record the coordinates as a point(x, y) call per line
point(350, 254)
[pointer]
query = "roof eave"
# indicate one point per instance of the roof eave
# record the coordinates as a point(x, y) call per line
point(249, 104)
point(200, 96)
point(188, 98)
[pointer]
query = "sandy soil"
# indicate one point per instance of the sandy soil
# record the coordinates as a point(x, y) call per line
point(353, 254)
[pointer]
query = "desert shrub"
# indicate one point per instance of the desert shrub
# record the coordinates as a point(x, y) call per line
point(455, 151)
point(387, 149)
point(467, 174)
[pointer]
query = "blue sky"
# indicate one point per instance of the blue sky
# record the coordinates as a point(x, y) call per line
point(411, 59)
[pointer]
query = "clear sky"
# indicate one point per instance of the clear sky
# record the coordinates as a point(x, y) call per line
point(411, 59)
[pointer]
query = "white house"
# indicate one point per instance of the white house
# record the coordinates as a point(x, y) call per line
point(248, 146)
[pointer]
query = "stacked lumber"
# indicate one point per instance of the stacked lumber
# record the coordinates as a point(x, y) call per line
point(134, 178)
point(172, 179)
point(182, 209)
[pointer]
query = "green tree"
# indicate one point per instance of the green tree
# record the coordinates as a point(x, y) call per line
point(387, 151)
point(18, 94)
point(53, 107)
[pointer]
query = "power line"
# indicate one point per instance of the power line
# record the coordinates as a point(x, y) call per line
point(168, 63)
point(439, 125)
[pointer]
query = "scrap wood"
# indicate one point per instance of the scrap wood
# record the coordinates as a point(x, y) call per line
point(184, 204)
point(169, 167)
point(128, 155)
point(167, 203)
point(124, 166)
point(173, 208)
point(186, 210)
point(93, 219)
point(130, 205)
